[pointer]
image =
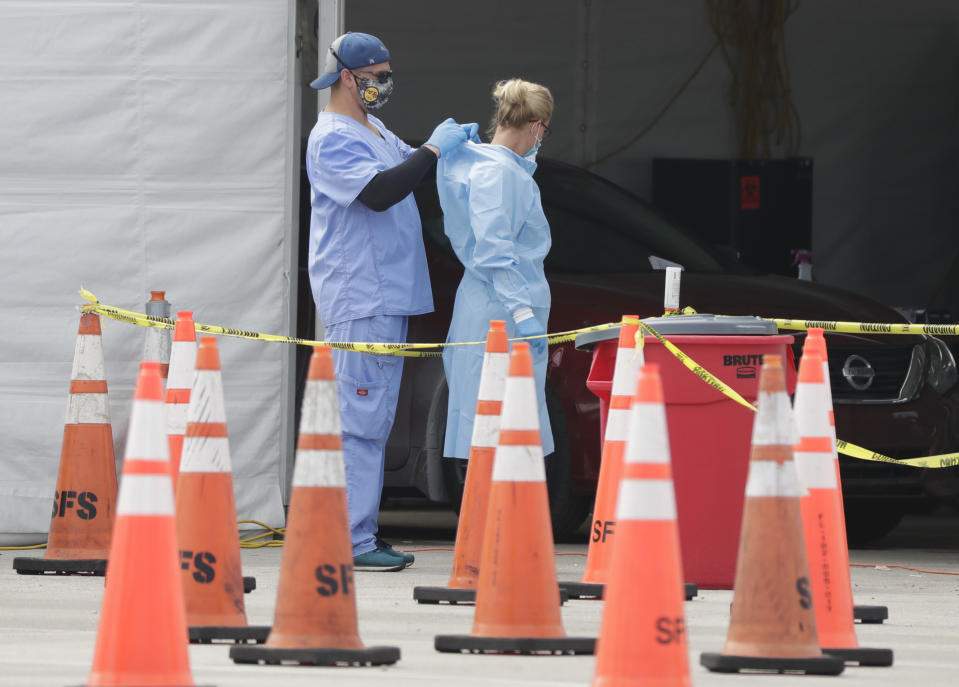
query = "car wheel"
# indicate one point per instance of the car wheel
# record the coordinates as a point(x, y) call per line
point(866, 523)
point(568, 509)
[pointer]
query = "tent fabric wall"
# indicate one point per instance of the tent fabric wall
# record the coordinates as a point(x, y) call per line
point(874, 82)
point(147, 145)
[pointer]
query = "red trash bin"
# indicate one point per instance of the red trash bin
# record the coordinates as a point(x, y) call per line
point(709, 433)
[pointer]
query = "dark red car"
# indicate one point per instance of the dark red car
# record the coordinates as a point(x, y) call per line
point(891, 394)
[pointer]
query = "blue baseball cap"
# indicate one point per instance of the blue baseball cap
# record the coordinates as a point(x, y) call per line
point(352, 51)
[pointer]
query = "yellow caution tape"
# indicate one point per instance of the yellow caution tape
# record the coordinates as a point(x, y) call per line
point(410, 350)
point(870, 327)
point(417, 350)
point(944, 460)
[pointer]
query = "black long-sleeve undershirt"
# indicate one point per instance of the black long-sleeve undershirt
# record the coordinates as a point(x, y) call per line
point(392, 185)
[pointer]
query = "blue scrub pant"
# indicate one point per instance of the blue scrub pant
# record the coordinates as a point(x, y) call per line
point(368, 387)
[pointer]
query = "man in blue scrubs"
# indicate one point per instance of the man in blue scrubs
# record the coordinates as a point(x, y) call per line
point(367, 262)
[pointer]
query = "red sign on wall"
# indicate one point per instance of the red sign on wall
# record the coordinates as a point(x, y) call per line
point(749, 193)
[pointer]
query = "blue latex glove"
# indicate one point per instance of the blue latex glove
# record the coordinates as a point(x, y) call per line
point(472, 132)
point(447, 136)
point(532, 327)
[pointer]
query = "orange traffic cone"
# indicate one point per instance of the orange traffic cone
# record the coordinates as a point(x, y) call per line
point(142, 638)
point(822, 521)
point(315, 621)
point(86, 491)
point(517, 599)
point(772, 624)
point(642, 639)
point(179, 383)
point(156, 344)
point(206, 515)
point(816, 343)
point(472, 519)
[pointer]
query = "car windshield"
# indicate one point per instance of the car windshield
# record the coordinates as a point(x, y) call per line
point(597, 227)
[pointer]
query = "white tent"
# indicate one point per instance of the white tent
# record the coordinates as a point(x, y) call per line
point(146, 145)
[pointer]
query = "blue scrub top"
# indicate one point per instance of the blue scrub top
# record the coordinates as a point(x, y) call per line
point(362, 263)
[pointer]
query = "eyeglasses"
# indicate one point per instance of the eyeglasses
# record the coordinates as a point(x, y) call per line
point(547, 132)
point(382, 77)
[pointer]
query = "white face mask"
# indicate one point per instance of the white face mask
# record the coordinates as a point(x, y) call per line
point(531, 153)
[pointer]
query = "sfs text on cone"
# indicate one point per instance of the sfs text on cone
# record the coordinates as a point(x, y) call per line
point(315, 622)
point(517, 600)
point(772, 624)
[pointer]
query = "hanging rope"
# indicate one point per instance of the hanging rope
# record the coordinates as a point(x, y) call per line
point(752, 39)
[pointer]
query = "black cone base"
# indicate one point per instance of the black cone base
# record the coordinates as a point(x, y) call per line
point(60, 566)
point(589, 590)
point(246, 634)
point(820, 665)
point(453, 596)
point(249, 584)
point(582, 646)
point(370, 656)
point(878, 658)
point(870, 614)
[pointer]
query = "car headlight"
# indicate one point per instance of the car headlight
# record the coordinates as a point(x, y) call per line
point(941, 373)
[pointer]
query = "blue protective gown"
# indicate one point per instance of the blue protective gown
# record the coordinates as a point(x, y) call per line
point(368, 273)
point(495, 222)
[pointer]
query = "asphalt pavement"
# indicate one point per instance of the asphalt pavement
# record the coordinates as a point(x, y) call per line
point(48, 624)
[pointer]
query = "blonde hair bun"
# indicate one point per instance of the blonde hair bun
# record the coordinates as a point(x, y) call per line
point(519, 102)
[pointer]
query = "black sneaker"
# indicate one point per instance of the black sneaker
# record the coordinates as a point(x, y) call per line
point(408, 558)
point(379, 559)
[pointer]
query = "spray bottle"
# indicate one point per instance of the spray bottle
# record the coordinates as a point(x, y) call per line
point(802, 258)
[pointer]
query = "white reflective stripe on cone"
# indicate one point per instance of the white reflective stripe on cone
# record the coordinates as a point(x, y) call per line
point(647, 441)
point(816, 470)
point(206, 397)
point(773, 424)
point(205, 454)
point(812, 417)
point(617, 424)
point(88, 409)
point(769, 478)
point(626, 370)
point(485, 431)
point(147, 439)
point(493, 376)
point(520, 408)
point(321, 411)
point(519, 464)
point(319, 468)
point(176, 416)
point(88, 358)
point(145, 495)
point(182, 365)
point(646, 499)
